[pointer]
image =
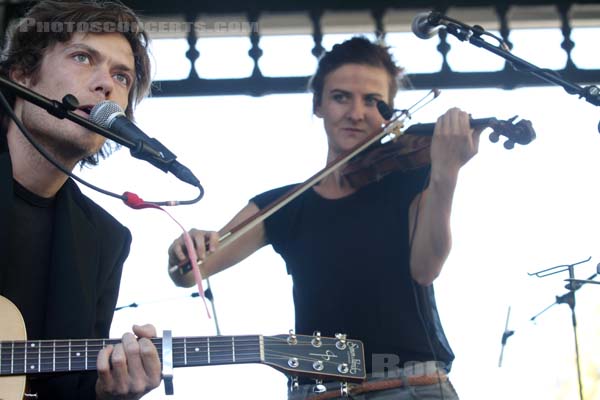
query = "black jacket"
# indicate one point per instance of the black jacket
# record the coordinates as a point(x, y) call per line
point(89, 248)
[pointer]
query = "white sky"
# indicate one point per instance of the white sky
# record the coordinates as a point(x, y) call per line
point(514, 212)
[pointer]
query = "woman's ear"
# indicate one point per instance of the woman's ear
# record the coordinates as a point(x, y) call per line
point(317, 108)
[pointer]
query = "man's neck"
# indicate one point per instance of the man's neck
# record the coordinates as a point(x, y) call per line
point(32, 170)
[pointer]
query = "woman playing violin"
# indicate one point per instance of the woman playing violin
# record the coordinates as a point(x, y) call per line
point(362, 260)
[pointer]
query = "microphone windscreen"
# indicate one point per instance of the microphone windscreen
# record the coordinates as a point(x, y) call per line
point(104, 112)
point(420, 26)
point(385, 110)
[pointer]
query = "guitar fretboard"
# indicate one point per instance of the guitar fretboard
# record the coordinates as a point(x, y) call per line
point(43, 356)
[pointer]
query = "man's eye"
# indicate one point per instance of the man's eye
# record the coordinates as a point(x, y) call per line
point(81, 58)
point(124, 79)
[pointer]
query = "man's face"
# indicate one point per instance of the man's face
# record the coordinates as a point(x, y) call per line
point(93, 68)
point(349, 105)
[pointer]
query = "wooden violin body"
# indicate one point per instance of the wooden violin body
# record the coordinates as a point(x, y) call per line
point(410, 149)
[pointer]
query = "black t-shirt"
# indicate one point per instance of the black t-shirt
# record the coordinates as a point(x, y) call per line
point(27, 266)
point(349, 261)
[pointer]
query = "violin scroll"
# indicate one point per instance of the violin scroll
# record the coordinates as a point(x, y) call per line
point(520, 133)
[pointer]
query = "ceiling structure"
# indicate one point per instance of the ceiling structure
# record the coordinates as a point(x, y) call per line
point(320, 17)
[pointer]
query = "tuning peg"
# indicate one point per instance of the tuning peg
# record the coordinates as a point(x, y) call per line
point(509, 144)
point(294, 384)
point(344, 389)
point(292, 338)
point(316, 341)
point(341, 341)
point(494, 137)
point(319, 387)
point(318, 365)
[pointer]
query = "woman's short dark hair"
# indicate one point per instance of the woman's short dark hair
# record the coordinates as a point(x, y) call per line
point(50, 22)
point(358, 50)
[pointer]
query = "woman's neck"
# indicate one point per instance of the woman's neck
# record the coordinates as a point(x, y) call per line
point(334, 186)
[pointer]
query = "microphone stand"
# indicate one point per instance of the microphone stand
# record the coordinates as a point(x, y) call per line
point(473, 34)
point(154, 153)
point(568, 298)
point(505, 335)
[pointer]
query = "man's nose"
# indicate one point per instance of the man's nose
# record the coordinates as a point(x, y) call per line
point(103, 82)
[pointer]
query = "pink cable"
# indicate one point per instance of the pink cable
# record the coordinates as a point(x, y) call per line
point(135, 202)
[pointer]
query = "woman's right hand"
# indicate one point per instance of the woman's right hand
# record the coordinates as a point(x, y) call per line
point(205, 242)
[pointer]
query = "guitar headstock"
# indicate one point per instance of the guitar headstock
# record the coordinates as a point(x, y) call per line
point(316, 357)
point(515, 133)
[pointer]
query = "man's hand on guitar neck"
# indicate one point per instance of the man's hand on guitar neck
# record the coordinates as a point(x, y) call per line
point(129, 369)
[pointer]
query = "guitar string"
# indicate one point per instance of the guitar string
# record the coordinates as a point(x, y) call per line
point(246, 354)
point(75, 364)
point(79, 344)
point(212, 339)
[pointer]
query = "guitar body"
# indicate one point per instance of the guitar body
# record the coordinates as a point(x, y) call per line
point(13, 328)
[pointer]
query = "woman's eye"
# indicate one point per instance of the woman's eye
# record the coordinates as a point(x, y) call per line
point(371, 101)
point(340, 97)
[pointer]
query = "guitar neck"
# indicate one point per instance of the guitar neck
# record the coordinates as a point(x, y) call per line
point(46, 356)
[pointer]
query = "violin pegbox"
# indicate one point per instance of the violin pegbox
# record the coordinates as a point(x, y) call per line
point(520, 133)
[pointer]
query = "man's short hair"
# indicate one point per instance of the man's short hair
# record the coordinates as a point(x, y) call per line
point(50, 22)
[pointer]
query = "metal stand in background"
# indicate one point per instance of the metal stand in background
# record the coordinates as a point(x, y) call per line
point(507, 333)
point(569, 298)
point(209, 295)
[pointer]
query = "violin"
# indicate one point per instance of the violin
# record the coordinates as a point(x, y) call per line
point(409, 149)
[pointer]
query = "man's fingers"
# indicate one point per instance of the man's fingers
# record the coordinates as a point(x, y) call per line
point(150, 362)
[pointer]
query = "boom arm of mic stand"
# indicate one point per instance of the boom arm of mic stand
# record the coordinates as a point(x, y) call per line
point(590, 93)
point(61, 110)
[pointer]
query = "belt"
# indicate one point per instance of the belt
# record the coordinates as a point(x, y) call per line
point(373, 386)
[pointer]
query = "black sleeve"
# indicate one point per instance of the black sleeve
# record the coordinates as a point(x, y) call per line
point(264, 199)
point(277, 225)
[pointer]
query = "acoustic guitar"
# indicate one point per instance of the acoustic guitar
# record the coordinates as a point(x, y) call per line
point(314, 356)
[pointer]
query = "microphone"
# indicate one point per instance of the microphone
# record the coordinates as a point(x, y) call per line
point(426, 25)
point(384, 110)
point(110, 115)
